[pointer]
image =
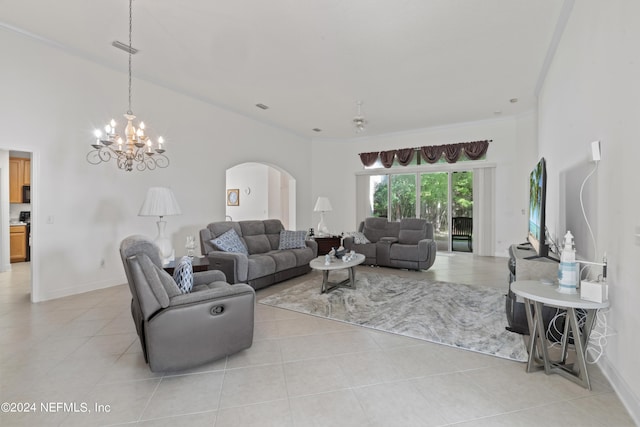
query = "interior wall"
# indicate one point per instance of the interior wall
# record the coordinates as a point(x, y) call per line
point(252, 180)
point(5, 246)
point(591, 93)
point(274, 194)
point(264, 193)
point(52, 106)
point(513, 150)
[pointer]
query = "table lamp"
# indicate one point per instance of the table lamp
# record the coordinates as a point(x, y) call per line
point(161, 202)
point(322, 205)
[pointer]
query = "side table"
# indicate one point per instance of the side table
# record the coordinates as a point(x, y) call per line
point(337, 264)
point(536, 295)
point(199, 264)
point(325, 243)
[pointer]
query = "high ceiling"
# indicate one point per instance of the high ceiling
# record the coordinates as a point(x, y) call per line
point(413, 63)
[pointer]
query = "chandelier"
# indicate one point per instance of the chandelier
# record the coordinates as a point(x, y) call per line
point(359, 121)
point(136, 147)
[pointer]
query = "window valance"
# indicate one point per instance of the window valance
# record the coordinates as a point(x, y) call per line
point(474, 150)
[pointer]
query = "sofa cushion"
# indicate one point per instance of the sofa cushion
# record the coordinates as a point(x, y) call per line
point(292, 239)
point(272, 226)
point(252, 228)
point(229, 241)
point(284, 259)
point(368, 250)
point(258, 244)
point(412, 230)
point(161, 282)
point(376, 228)
point(183, 275)
point(410, 237)
point(218, 228)
point(303, 255)
point(260, 265)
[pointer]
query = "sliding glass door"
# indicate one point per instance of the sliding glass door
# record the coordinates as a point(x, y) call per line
point(439, 197)
point(434, 205)
point(403, 197)
point(379, 195)
point(449, 199)
point(462, 211)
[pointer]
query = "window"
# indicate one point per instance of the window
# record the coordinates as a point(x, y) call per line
point(434, 196)
point(403, 197)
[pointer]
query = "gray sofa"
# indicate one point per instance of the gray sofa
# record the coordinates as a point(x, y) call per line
point(179, 331)
point(406, 244)
point(265, 264)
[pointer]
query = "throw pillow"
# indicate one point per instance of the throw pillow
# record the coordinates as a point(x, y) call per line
point(183, 275)
point(229, 241)
point(292, 239)
point(358, 237)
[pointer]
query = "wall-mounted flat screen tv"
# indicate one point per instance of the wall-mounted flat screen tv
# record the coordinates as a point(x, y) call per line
point(537, 208)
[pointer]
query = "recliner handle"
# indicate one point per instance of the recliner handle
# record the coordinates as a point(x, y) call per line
point(216, 310)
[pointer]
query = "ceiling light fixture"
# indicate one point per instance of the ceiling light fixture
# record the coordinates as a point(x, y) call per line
point(262, 106)
point(359, 121)
point(137, 148)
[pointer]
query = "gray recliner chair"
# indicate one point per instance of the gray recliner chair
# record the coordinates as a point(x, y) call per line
point(179, 331)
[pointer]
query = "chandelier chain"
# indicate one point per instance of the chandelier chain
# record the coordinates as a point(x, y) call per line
point(130, 47)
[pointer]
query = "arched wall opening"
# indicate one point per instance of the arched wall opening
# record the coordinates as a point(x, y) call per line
point(264, 191)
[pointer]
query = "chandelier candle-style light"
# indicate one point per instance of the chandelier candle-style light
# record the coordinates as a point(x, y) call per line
point(136, 147)
point(359, 121)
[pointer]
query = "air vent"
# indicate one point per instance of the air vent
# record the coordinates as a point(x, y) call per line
point(132, 50)
point(262, 106)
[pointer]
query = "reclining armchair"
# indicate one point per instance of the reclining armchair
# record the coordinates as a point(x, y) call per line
point(406, 244)
point(179, 331)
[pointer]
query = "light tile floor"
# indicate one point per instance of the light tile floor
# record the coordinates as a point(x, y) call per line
point(301, 370)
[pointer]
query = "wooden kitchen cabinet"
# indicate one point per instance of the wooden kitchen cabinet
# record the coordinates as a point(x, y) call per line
point(19, 176)
point(18, 243)
point(26, 172)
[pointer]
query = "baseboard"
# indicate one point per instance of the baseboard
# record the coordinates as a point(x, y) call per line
point(622, 389)
point(46, 295)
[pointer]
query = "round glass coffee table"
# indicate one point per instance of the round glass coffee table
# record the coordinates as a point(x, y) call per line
point(337, 264)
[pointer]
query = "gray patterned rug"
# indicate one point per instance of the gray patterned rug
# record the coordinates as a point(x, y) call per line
point(463, 316)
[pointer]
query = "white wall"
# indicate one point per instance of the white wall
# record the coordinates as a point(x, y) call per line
point(592, 92)
point(50, 104)
point(274, 193)
point(513, 151)
point(5, 246)
point(252, 179)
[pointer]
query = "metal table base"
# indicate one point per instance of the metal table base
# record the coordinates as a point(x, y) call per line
point(349, 283)
point(539, 353)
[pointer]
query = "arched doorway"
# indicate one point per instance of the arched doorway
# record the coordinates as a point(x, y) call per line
point(264, 191)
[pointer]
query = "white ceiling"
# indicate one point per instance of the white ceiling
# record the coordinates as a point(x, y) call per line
point(413, 63)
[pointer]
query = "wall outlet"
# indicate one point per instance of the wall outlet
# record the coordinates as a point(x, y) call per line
point(595, 151)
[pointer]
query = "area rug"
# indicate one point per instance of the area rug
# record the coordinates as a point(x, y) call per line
point(463, 316)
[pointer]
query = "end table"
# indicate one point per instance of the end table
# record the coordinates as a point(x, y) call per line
point(198, 263)
point(325, 243)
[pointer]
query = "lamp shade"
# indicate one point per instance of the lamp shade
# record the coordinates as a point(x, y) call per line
point(159, 201)
point(322, 205)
